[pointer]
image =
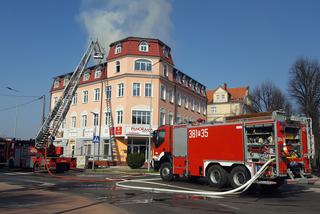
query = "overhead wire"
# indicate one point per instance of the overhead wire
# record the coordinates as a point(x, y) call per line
point(19, 105)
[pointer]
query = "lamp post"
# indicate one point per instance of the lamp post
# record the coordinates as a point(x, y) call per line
point(94, 134)
point(151, 115)
point(16, 119)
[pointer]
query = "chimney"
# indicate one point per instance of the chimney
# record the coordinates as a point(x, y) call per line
point(225, 86)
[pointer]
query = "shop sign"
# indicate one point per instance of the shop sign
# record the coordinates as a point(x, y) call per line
point(138, 130)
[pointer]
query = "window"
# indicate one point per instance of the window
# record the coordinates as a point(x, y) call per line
point(163, 92)
point(84, 121)
point(204, 108)
point(165, 70)
point(171, 96)
point(192, 103)
point(140, 117)
point(170, 118)
point(148, 90)
point(119, 117)
point(97, 74)
point(144, 47)
point(87, 149)
point(85, 97)
point(117, 49)
point(142, 65)
point(107, 118)
point(117, 66)
point(63, 124)
point(186, 102)
point(120, 89)
point(106, 149)
point(73, 121)
point(165, 51)
point(75, 99)
point(66, 81)
point(95, 119)
point(222, 97)
point(136, 89)
point(97, 94)
point(162, 118)
point(56, 83)
point(214, 109)
point(108, 92)
point(179, 98)
point(198, 106)
point(55, 100)
point(86, 76)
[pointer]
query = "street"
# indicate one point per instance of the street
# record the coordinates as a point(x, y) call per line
point(40, 193)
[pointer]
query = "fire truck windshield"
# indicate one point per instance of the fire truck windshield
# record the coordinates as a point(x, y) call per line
point(158, 137)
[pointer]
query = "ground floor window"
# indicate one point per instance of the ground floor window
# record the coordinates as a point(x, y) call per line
point(106, 145)
point(137, 145)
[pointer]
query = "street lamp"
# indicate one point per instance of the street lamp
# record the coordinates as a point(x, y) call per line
point(16, 120)
point(94, 135)
point(151, 115)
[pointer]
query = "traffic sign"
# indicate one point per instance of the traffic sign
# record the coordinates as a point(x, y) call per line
point(96, 139)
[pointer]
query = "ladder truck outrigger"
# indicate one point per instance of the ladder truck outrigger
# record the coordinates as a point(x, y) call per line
point(232, 152)
point(45, 153)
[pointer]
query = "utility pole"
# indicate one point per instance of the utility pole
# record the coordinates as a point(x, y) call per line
point(43, 97)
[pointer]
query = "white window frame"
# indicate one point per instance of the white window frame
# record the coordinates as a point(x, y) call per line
point(120, 90)
point(165, 51)
point(163, 92)
point(56, 83)
point(146, 93)
point(75, 99)
point(95, 119)
point(162, 117)
point(84, 121)
point(73, 121)
point(97, 74)
point(144, 46)
point(118, 66)
point(85, 96)
point(136, 92)
point(198, 106)
point(107, 116)
point(86, 76)
point(108, 92)
point(171, 97)
point(96, 94)
point(192, 103)
point(170, 118)
point(142, 115)
point(165, 70)
point(117, 48)
point(179, 98)
point(186, 101)
point(66, 81)
point(119, 116)
point(147, 65)
point(213, 109)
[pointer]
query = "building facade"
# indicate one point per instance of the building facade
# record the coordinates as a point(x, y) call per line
point(224, 101)
point(145, 90)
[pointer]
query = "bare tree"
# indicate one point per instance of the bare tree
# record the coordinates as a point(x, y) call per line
point(267, 97)
point(304, 87)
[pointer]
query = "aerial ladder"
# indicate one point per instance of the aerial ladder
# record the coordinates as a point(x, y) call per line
point(50, 127)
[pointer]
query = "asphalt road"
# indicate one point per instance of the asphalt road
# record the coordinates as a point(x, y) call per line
point(37, 192)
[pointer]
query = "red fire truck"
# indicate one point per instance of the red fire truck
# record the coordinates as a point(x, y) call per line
point(23, 154)
point(232, 152)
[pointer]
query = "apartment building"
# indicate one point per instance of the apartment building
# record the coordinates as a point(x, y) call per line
point(145, 90)
point(224, 101)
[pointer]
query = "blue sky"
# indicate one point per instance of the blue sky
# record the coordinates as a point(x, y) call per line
point(242, 43)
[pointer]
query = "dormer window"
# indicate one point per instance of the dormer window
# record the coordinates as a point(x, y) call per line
point(56, 83)
point(144, 47)
point(165, 51)
point(86, 76)
point(97, 74)
point(117, 49)
point(66, 81)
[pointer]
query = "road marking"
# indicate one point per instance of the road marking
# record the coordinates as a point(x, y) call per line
point(18, 173)
point(228, 206)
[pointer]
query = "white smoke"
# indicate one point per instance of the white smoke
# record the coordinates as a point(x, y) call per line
point(112, 20)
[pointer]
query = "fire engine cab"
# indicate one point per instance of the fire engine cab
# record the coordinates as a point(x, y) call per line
point(232, 152)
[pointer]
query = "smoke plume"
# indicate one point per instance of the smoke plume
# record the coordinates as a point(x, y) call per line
point(112, 20)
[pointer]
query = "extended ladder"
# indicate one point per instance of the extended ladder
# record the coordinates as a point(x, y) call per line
point(53, 121)
point(110, 122)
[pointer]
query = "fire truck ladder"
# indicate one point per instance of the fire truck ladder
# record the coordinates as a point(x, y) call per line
point(110, 124)
point(50, 127)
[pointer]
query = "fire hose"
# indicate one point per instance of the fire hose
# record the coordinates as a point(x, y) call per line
point(237, 190)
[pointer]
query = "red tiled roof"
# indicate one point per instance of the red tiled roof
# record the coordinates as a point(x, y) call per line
point(130, 46)
point(235, 94)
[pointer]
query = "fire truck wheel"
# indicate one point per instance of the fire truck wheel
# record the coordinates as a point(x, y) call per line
point(239, 175)
point(166, 171)
point(217, 176)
